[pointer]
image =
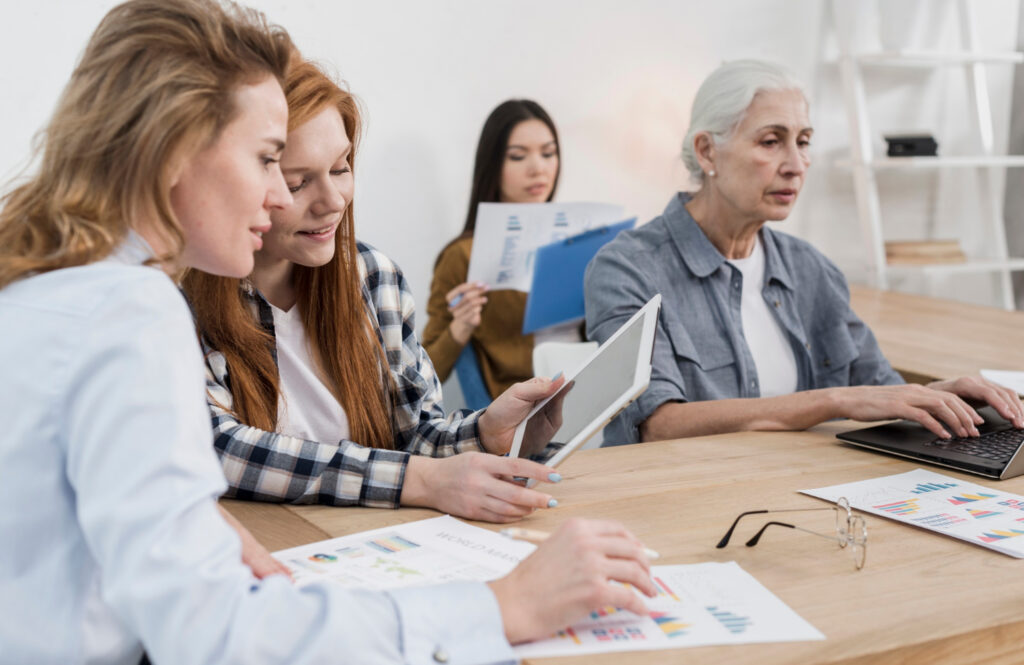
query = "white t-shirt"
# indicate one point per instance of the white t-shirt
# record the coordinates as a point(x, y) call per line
point(307, 409)
point(773, 356)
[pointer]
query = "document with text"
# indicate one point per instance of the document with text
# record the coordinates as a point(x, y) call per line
point(507, 236)
point(697, 604)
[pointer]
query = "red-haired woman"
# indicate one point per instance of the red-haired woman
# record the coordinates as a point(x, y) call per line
point(319, 389)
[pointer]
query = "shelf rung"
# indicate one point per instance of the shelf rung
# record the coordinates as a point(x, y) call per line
point(959, 161)
point(975, 266)
point(909, 58)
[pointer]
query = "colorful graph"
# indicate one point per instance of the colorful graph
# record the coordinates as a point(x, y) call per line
point(940, 520)
point(350, 552)
point(999, 534)
point(908, 507)
point(663, 589)
point(323, 558)
point(625, 634)
point(979, 514)
point(1013, 503)
point(391, 544)
point(732, 622)
point(569, 634)
point(603, 612)
point(968, 498)
point(670, 625)
point(923, 488)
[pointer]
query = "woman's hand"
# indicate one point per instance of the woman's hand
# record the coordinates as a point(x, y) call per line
point(254, 554)
point(466, 303)
point(498, 423)
point(570, 574)
point(1003, 400)
point(921, 404)
point(476, 486)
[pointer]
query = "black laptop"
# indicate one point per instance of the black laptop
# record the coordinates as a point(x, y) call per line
point(995, 454)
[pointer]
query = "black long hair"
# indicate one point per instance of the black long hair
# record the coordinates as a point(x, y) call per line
point(490, 155)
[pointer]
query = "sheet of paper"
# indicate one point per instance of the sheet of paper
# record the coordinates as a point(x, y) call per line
point(507, 236)
point(1011, 380)
point(698, 604)
point(432, 551)
point(980, 515)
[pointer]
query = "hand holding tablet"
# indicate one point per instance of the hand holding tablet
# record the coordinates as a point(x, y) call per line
point(616, 374)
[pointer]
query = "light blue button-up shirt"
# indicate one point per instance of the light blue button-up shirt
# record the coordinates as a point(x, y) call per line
point(700, 352)
point(110, 538)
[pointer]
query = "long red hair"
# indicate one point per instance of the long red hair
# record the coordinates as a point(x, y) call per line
point(341, 336)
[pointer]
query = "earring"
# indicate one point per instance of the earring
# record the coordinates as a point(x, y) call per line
point(711, 173)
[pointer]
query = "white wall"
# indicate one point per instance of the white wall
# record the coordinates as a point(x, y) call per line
point(617, 77)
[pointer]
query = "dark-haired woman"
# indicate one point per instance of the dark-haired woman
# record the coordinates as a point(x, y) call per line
point(517, 161)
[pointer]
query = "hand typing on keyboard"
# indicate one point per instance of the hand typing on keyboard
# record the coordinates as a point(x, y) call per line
point(1003, 400)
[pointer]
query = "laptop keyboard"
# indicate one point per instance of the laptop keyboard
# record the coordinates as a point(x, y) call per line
point(995, 446)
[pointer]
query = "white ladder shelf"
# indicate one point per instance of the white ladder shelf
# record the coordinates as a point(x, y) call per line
point(864, 163)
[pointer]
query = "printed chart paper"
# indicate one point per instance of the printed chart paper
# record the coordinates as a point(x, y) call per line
point(699, 604)
point(431, 551)
point(507, 236)
point(1011, 380)
point(987, 517)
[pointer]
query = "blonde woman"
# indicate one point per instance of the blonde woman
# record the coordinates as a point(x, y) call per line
point(162, 155)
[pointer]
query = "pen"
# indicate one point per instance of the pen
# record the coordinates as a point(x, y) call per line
point(534, 536)
point(455, 301)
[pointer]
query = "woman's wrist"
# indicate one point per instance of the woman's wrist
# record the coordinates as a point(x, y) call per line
point(416, 488)
point(459, 333)
point(515, 631)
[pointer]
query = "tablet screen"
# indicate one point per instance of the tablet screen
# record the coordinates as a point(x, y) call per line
point(582, 400)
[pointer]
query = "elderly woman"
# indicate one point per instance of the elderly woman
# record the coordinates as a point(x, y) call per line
point(756, 332)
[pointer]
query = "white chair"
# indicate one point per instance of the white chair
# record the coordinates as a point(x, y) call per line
point(550, 358)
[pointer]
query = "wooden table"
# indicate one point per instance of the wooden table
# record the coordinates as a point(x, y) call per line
point(927, 338)
point(921, 597)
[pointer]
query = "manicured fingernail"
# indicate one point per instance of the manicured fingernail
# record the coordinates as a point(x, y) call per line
point(556, 377)
point(945, 435)
point(555, 477)
point(552, 503)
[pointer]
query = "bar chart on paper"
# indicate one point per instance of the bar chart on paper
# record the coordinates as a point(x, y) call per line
point(695, 605)
point(973, 513)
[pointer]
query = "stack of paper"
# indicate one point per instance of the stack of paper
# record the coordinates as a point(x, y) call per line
point(699, 604)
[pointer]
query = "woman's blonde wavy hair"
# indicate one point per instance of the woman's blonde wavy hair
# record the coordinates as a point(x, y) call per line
point(155, 83)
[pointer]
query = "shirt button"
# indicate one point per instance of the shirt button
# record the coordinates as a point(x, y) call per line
point(776, 304)
point(753, 384)
point(827, 363)
point(440, 655)
point(807, 345)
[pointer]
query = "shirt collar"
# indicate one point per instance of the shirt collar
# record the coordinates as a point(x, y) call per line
point(702, 258)
point(133, 250)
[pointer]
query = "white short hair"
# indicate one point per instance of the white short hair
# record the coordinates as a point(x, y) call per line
point(723, 100)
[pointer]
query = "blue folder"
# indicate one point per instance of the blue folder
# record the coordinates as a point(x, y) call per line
point(556, 295)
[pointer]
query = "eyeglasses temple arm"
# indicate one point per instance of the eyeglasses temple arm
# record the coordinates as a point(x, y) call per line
point(757, 536)
point(728, 534)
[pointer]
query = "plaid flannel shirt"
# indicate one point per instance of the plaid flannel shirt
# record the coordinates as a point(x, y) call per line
point(269, 466)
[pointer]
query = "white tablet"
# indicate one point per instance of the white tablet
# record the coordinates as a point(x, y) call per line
point(612, 377)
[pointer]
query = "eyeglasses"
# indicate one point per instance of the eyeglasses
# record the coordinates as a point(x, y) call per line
point(851, 530)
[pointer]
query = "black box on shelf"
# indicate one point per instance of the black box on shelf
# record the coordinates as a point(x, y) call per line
point(911, 145)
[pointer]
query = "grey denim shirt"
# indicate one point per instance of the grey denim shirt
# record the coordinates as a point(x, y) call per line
point(700, 352)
